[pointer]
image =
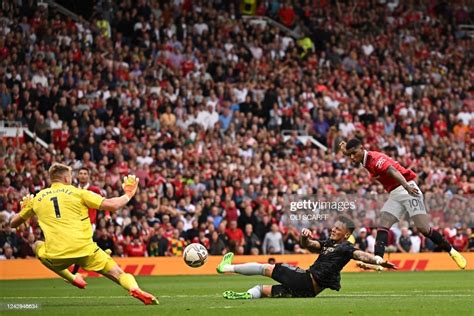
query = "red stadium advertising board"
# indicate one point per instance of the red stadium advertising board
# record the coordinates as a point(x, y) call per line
point(33, 269)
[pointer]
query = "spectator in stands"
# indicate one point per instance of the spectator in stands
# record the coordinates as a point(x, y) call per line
point(136, 248)
point(470, 238)
point(8, 238)
point(273, 242)
point(5, 97)
point(176, 244)
point(416, 241)
point(134, 234)
point(361, 240)
point(460, 242)
point(209, 129)
point(247, 217)
point(119, 251)
point(371, 241)
point(193, 232)
point(7, 253)
point(158, 245)
point(104, 240)
point(404, 242)
point(291, 238)
point(216, 245)
point(26, 247)
point(250, 239)
point(235, 236)
point(202, 239)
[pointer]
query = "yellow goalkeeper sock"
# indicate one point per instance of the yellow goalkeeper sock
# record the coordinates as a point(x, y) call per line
point(66, 274)
point(127, 281)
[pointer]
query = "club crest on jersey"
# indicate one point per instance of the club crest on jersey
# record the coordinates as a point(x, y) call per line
point(380, 162)
point(327, 250)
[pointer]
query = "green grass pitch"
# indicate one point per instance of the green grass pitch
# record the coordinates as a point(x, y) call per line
point(392, 293)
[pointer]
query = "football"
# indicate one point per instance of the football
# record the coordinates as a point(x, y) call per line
point(195, 255)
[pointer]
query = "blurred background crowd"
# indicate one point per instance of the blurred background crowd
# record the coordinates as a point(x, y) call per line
point(208, 108)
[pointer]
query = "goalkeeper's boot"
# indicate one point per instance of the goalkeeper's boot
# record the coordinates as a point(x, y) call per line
point(145, 297)
point(458, 258)
point(227, 260)
point(79, 281)
point(231, 295)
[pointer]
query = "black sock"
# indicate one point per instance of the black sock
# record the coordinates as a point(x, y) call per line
point(381, 241)
point(75, 269)
point(439, 240)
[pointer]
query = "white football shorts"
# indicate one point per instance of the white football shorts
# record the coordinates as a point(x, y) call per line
point(400, 201)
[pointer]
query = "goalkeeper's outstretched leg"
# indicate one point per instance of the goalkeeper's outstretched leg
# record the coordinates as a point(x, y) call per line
point(102, 263)
point(128, 282)
point(58, 267)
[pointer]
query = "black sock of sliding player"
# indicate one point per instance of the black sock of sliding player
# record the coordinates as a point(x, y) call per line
point(439, 240)
point(381, 241)
point(75, 269)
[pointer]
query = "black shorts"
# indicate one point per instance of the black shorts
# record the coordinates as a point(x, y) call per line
point(295, 282)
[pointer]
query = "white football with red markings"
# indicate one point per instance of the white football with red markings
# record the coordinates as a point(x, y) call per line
point(195, 255)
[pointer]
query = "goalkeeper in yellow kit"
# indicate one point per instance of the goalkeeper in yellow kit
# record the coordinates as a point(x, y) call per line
point(62, 212)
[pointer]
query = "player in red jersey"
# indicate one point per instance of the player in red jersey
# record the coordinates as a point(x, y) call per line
point(83, 176)
point(405, 196)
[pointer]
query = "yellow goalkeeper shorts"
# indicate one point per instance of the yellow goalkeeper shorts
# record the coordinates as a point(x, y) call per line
point(99, 261)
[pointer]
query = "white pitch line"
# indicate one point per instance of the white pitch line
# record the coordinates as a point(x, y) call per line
point(414, 291)
point(57, 297)
point(398, 295)
point(92, 297)
point(200, 296)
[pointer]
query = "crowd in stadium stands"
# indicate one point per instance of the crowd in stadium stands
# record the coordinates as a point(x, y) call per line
point(193, 100)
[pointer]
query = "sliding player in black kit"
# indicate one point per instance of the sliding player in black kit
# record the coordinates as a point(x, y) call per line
point(334, 254)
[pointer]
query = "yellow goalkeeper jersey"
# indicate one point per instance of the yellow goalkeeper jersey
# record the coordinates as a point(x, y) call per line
point(62, 212)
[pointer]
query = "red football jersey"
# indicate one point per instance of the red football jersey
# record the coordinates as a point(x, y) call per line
point(92, 211)
point(235, 235)
point(377, 164)
point(459, 242)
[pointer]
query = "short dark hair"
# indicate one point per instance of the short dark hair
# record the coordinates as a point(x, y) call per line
point(86, 169)
point(347, 222)
point(353, 143)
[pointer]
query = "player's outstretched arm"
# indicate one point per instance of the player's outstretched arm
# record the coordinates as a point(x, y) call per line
point(16, 221)
point(26, 212)
point(370, 258)
point(130, 186)
point(307, 242)
point(394, 173)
